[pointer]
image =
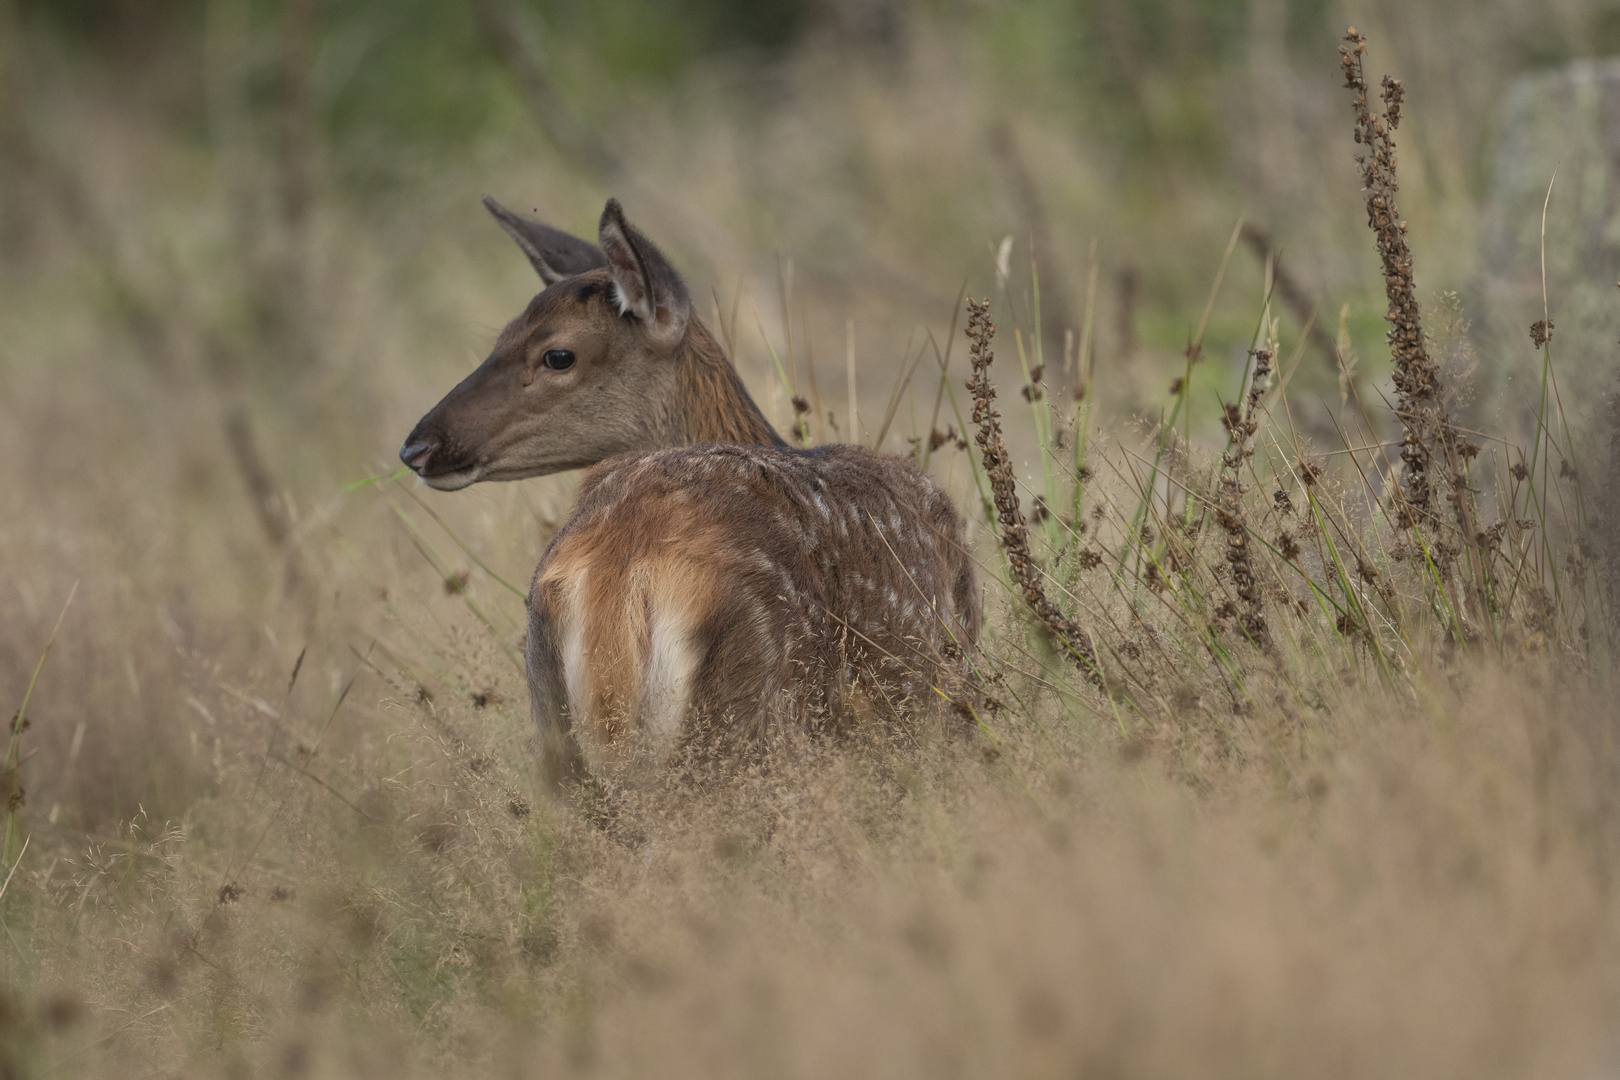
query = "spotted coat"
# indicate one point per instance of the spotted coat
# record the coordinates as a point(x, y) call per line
point(726, 589)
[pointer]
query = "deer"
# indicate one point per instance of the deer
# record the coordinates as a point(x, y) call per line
point(713, 585)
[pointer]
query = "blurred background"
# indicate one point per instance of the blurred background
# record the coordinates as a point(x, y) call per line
point(241, 251)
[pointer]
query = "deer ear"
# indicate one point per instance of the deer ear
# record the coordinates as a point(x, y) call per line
point(644, 284)
point(555, 254)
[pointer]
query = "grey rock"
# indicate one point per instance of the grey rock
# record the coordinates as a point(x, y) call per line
point(1568, 120)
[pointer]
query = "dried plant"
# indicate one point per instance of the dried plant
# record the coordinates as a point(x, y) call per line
point(1014, 535)
point(1420, 398)
point(1240, 427)
point(1418, 402)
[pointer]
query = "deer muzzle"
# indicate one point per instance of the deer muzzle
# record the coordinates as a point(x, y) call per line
point(440, 465)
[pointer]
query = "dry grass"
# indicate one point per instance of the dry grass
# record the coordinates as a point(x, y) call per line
point(1420, 888)
point(273, 810)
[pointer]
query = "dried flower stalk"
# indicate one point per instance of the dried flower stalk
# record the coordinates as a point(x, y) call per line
point(1014, 535)
point(1420, 398)
point(1240, 426)
point(1417, 378)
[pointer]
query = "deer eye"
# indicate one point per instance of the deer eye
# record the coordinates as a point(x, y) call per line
point(557, 360)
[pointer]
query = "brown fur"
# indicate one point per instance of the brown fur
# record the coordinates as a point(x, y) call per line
point(714, 406)
point(802, 575)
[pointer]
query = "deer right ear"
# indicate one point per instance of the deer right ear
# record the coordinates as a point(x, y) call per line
point(555, 254)
point(644, 284)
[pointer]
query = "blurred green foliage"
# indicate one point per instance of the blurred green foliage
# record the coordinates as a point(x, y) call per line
point(389, 74)
point(658, 39)
point(412, 70)
point(1135, 73)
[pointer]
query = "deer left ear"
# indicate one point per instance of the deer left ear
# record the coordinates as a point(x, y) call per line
point(644, 284)
point(554, 254)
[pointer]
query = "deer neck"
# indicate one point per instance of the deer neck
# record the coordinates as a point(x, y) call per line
point(712, 403)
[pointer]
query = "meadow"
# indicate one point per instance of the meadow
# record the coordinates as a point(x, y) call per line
point(1297, 748)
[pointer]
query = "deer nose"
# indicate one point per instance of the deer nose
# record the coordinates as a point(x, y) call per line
point(417, 452)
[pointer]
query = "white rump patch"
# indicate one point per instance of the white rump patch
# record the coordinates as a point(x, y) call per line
point(666, 682)
point(576, 678)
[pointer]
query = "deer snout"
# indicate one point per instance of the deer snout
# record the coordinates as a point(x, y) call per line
point(439, 460)
point(417, 452)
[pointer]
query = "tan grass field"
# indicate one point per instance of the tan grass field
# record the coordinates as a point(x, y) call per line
point(274, 805)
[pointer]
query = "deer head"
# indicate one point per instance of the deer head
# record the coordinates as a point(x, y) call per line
point(592, 368)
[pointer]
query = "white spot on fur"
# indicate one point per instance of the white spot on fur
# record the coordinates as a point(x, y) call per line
point(783, 578)
point(791, 524)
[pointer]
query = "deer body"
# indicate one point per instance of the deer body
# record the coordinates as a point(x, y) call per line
point(712, 583)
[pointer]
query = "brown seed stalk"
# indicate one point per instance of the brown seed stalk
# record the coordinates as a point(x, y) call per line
point(1420, 398)
point(1014, 535)
point(1417, 378)
point(1240, 426)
